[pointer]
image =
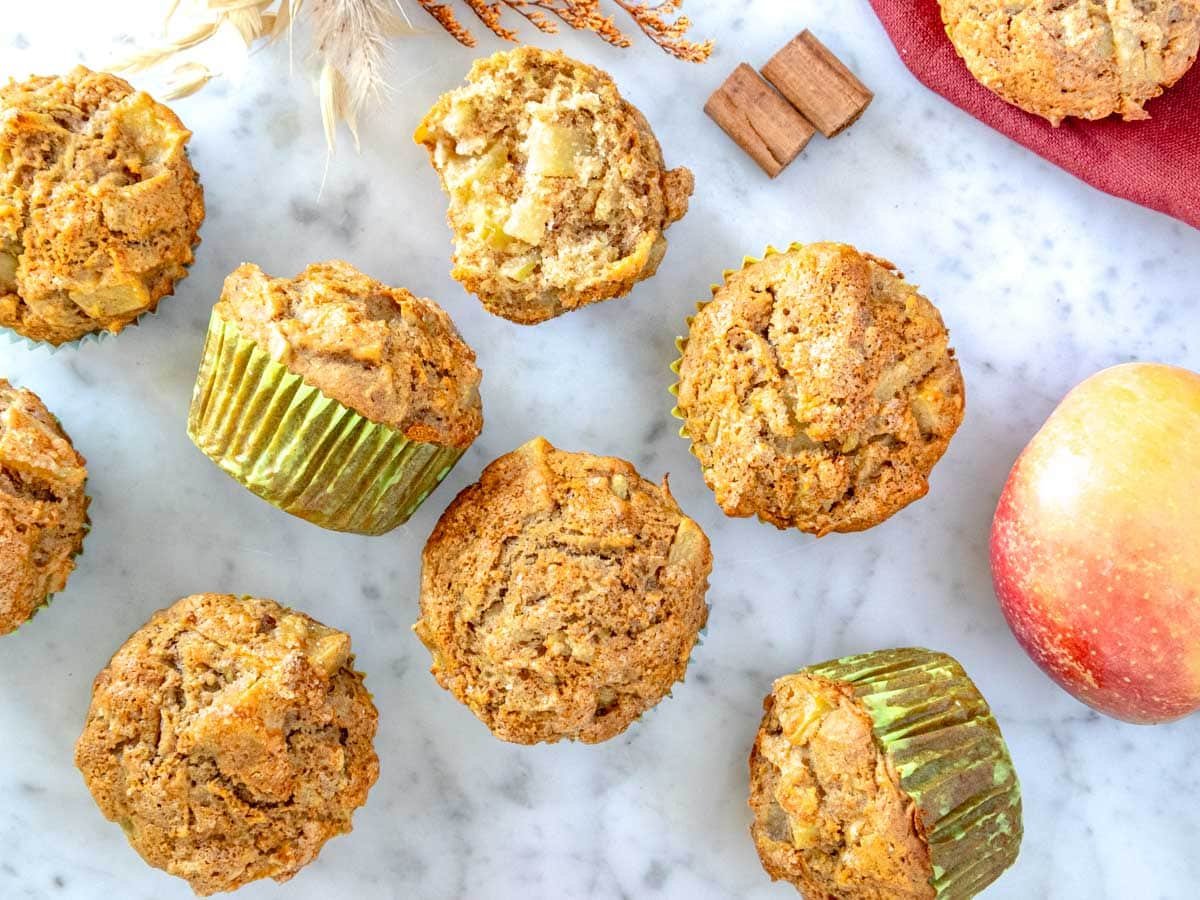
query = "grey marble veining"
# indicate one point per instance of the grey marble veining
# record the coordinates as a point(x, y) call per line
point(1041, 279)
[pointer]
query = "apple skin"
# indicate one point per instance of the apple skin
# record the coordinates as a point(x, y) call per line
point(1095, 546)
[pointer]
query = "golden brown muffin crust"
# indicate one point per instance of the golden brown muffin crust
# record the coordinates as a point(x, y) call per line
point(819, 390)
point(558, 191)
point(829, 813)
point(561, 595)
point(392, 357)
point(1085, 58)
point(230, 737)
point(43, 507)
point(99, 205)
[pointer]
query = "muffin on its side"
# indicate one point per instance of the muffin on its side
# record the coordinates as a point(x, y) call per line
point(558, 191)
point(335, 397)
point(99, 205)
point(1084, 59)
point(818, 389)
point(561, 595)
point(883, 775)
point(230, 738)
point(43, 507)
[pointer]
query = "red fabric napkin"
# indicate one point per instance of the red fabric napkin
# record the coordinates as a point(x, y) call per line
point(1154, 162)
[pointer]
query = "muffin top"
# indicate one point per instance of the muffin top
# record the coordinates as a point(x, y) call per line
point(830, 815)
point(394, 358)
point(558, 191)
point(43, 508)
point(561, 595)
point(1086, 59)
point(230, 737)
point(818, 390)
point(99, 206)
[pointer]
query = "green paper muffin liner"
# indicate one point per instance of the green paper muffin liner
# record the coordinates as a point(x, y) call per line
point(682, 340)
point(300, 450)
point(944, 743)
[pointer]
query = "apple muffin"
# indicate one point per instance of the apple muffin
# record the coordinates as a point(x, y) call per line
point(883, 775)
point(43, 507)
point(559, 196)
point(1085, 58)
point(818, 389)
point(333, 396)
point(99, 206)
point(230, 737)
point(561, 595)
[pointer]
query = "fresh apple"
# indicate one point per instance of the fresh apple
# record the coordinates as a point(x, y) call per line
point(1095, 545)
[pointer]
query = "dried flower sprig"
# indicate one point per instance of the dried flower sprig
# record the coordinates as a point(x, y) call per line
point(664, 25)
point(661, 22)
point(349, 37)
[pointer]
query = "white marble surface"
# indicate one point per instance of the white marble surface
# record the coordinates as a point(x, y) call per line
point(1041, 279)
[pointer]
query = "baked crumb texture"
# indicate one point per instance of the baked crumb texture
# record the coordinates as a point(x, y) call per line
point(883, 777)
point(1084, 58)
point(558, 191)
point(818, 389)
point(561, 595)
point(43, 507)
point(99, 206)
point(392, 357)
point(230, 738)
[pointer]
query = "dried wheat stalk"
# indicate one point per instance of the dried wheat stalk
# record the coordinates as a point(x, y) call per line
point(350, 38)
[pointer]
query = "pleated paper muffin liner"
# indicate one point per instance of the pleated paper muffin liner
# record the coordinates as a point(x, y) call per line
point(18, 339)
point(94, 337)
point(940, 736)
point(300, 450)
point(681, 341)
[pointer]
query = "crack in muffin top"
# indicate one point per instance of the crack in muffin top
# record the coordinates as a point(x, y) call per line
point(395, 358)
point(562, 594)
point(818, 390)
point(230, 737)
point(99, 206)
point(1085, 58)
point(558, 191)
point(43, 507)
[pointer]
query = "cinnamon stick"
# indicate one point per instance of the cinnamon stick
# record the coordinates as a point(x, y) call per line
point(818, 84)
point(761, 122)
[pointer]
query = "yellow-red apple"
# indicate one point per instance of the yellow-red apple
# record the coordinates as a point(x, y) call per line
point(1095, 545)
